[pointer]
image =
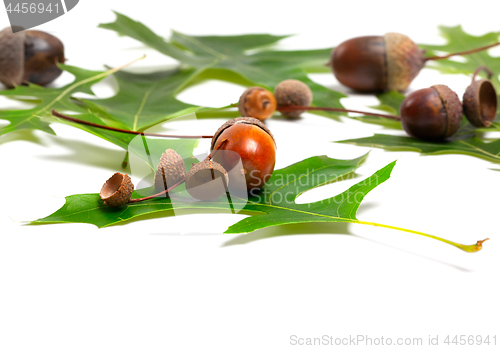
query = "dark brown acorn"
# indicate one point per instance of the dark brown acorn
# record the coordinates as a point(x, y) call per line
point(248, 140)
point(480, 100)
point(433, 113)
point(293, 92)
point(117, 190)
point(29, 56)
point(377, 63)
point(257, 102)
point(207, 180)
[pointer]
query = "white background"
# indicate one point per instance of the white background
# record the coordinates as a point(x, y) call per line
point(178, 282)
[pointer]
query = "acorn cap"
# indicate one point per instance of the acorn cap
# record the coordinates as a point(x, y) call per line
point(404, 60)
point(480, 103)
point(257, 102)
point(242, 120)
point(453, 108)
point(117, 190)
point(293, 92)
point(171, 170)
point(11, 57)
point(207, 180)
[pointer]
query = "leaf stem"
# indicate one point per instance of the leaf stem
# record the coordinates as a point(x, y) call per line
point(131, 201)
point(109, 128)
point(462, 53)
point(467, 248)
point(295, 107)
point(489, 73)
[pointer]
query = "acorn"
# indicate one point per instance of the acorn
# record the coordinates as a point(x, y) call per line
point(433, 113)
point(248, 140)
point(29, 56)
point(257, 102)
point(377, 63)
point(480, 101)
point(207, 180)
point(117, 190)
point(171, 170)
point(293, 92)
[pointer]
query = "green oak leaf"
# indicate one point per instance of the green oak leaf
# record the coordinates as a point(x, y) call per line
point(472, 146)
point(457, 41)
point(249, 56)
point(45, 99)
point(275, 204)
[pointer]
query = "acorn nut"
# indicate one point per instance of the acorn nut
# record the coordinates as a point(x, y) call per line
point(433, 113)
point(252, 143)
point(117, 190)
point(293, 92)
point(29, 56)
point(207, 180)
point(377, 63)
point(171, 170)
point(257, 102)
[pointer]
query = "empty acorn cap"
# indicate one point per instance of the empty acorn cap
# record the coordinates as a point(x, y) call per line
point(207, 180)
point(293, 92)
point(244, 120)
point(117, 190)
point(11, 57)
point(404, 60)
point(171, 170)
point(480, 103)
point(453, 108)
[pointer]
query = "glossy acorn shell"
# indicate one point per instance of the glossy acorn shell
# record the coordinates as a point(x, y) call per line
point(433, 113)
point(480, 102)
point(250, 140)
point(42, 53)
point(257, 102)
point(377, 63)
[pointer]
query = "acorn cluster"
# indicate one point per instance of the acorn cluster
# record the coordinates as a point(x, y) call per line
point(246, 140)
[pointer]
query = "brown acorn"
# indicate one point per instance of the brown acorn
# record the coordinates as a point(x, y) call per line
point(207, 180)
point(433, 113)
point(480, 101)
point(248, 140)
point(293, 92)
point(171, 170)
point(29, 56)
point(377, 63)
point(117, 190)
point(257, 102)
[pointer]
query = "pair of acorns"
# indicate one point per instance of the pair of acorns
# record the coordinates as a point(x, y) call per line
point(242, 139)
point(30, 56)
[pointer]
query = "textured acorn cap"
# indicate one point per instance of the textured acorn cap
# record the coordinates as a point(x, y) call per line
point(11, 57)
point(480, 103)
point(453, 107)
point(171, 170)
point(265, 101)
point(207, 180)
point(117, 190)
point(293, 92)
point(241, 120)
point(404, 60)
